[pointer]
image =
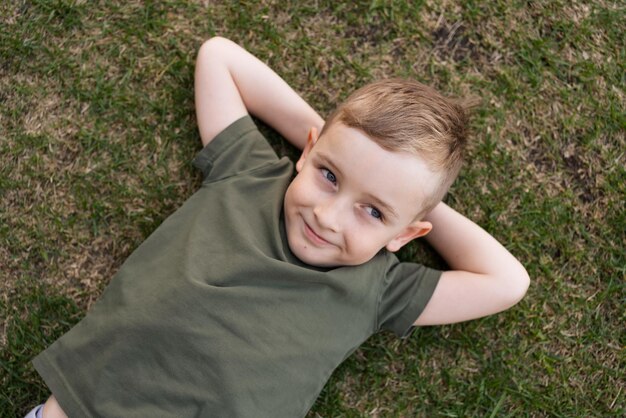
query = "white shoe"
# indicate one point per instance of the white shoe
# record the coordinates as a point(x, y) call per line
point(37, 412)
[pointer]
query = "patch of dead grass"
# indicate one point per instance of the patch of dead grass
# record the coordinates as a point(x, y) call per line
point(543, 134)
point(44, 196)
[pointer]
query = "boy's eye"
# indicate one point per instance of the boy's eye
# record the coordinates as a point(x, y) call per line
point(328, 175)
point(375, 213)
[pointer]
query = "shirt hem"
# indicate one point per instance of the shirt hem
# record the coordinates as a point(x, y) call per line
point(59, 386)
point(418, 304)
point(206, 157)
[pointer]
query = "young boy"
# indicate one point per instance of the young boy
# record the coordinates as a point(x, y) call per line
point(244, 301)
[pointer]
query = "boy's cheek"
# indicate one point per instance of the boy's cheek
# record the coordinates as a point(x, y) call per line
point(300, 190)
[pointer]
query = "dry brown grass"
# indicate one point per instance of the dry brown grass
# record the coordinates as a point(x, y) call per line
point(97, 131)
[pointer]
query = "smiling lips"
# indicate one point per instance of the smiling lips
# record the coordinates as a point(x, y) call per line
point(313, 237)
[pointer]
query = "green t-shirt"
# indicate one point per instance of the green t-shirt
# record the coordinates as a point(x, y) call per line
point(213, 316)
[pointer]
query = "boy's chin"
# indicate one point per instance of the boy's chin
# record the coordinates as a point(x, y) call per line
point(315, 259)
point(315, 263)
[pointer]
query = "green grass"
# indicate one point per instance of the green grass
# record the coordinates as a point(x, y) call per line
point(97, 132)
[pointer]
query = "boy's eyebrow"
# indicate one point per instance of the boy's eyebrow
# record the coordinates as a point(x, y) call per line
point(389, 211)
point(386, 208)
point(326, 160)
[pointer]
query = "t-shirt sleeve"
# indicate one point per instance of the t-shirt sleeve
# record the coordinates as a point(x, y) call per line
point(407, 288)
point(238, 148)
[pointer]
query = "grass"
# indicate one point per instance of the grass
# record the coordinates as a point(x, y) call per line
point(97, 132)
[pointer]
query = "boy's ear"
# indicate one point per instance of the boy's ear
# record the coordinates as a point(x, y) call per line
point(414, 230)
point(311, 140)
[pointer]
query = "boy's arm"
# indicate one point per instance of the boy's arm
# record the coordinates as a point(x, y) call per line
point(485, 278)
point(230, 82)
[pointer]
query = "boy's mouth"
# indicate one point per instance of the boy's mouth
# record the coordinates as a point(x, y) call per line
point(312, 235)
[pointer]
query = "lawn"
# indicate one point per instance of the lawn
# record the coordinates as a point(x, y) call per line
point(97, 132)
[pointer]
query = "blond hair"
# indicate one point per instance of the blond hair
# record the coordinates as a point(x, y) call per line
point(407, 116)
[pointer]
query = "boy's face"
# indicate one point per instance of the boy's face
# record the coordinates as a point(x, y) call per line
point(351, 198)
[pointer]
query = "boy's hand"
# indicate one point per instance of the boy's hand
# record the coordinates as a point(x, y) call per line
point(485, 277)
point(230, 82)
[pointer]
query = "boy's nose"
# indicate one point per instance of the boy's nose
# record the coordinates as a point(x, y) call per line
point(327, 214)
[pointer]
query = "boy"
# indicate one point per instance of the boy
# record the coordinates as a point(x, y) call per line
point(244, 301)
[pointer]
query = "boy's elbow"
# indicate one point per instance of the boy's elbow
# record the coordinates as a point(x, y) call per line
point(519, 283)
point(215, 40)
point(213, 46)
